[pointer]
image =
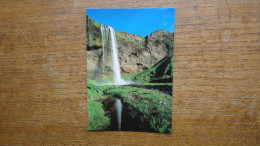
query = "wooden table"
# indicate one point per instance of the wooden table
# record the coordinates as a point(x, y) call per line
point(216, 73)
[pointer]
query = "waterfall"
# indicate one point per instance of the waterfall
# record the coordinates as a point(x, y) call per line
point(108, 35)
point(104, 34)
point(119, 113)
point(109, 41)
point(116, 66)
point(103, 46)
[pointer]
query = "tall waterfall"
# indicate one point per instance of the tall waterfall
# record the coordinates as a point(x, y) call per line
point(116, 66)
point(109, 38)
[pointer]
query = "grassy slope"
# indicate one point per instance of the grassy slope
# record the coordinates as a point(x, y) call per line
point(131, 43)
point(96, 116)
point(150, 108)
point(93, 34)
point(97, 119)
point(159, 73)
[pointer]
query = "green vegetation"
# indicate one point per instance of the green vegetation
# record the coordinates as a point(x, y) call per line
point(119, 35)
point(132, 43)
point(138, 45)
point(92, 22)
point(148, 110)
point(159, 73)
point(156, 84)
point(96, 92)
point(93, 91)
point(93, 29)
point(96, 116)
point(151, 109)
point(168, 44)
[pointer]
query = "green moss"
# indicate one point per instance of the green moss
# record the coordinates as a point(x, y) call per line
point(97, 119)
point(138, 45)
point(168, 44)
point(168, 72)
point(161, 72)
point(150, 108)
point(94, 35)
point(98, 42)
point(128, 77)
point(96, 116)
point(119, 35)
point(96, 24)
point(132, 43)
point(95, 92)
point(92, 23)
point(156, 84)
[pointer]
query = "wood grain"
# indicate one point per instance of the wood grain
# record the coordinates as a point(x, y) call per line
point(216, 73)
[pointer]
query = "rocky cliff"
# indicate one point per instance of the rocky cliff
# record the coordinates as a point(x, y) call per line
point(135, 52)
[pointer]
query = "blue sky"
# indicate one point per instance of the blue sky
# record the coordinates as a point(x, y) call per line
point(136, 21)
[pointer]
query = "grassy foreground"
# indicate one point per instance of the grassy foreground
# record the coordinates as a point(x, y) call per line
point(143, 109)
point(97, 119)
point(150, 109)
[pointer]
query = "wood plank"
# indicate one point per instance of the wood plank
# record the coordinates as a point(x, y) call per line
point(43, 73)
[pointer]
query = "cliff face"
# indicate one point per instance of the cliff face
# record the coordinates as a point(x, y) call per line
point(135, 52)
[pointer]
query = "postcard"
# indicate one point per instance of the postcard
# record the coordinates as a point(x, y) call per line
point(130, 69)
